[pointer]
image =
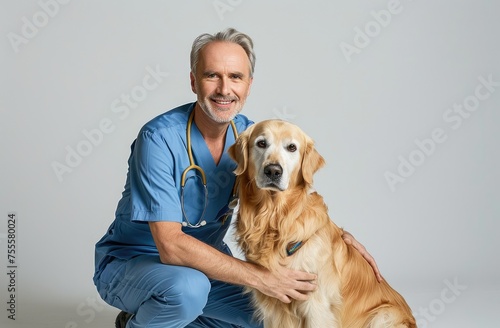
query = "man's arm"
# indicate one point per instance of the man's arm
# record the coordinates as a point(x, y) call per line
point(350, 240)
point(177, 248)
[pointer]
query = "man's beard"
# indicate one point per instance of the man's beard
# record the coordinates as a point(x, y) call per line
point(212, 111)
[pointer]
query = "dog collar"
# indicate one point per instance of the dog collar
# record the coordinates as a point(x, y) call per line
point(291, 248)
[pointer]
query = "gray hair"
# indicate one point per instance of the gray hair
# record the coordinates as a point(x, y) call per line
point(228, 35)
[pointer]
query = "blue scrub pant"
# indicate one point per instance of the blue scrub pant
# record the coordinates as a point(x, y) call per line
point(170, 296)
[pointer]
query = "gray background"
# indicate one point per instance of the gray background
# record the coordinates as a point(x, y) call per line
point(434, 231)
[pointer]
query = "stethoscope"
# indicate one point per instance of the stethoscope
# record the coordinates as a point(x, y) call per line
point(192, 166)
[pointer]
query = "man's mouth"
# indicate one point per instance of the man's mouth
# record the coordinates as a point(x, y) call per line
point(222, 102)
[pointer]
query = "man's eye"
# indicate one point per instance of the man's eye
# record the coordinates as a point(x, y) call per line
point(262, 144)
point(291, 148)
point(210, 75)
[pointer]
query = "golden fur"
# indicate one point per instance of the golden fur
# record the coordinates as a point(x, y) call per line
point(274, 213)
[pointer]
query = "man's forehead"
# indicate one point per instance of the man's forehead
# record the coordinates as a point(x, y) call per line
point(227, 53)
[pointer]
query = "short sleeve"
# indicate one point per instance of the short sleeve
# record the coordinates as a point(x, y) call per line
point(154, 196)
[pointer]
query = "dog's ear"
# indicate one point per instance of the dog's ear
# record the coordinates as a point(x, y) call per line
point(239, 151)
point(312, 161)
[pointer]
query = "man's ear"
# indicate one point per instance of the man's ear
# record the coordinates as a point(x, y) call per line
point(311, 162)
point(249, 86)
point(239, 151)
point(193, 82)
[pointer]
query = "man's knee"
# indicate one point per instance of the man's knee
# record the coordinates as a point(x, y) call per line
point(189, 294)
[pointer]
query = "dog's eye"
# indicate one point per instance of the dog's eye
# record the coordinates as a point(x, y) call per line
point(262, 144)
point(291, 148)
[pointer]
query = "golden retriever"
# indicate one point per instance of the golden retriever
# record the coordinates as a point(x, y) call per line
point(282, 222)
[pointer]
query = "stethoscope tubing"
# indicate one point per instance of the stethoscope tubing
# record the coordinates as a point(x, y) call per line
point(192, 166)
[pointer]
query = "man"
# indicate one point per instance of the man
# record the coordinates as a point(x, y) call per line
point(163, 261)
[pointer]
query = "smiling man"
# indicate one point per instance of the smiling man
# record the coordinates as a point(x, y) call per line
point(163, 261)
point(219, 80)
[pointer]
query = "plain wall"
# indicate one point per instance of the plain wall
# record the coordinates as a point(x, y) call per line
point(395, 94)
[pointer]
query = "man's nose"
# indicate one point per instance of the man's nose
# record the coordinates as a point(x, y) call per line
point(223, 87)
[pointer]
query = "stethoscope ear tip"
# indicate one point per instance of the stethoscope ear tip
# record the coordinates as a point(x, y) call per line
point(202, 223)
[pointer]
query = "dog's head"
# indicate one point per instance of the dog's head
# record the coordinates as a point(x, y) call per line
point(277, 155)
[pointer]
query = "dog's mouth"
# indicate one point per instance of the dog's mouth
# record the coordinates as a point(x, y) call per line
point(273, 186)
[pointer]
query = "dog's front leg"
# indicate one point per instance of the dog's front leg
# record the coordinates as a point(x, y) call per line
point(325, 319)
point(284, 321)
point(322, 318)
point(320, 313)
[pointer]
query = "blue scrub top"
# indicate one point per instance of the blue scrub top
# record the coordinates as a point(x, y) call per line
point(153, 187)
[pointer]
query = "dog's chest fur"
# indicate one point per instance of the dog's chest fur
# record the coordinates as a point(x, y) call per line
point(265, 229)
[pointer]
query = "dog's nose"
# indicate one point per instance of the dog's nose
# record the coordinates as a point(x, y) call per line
point(273, 171)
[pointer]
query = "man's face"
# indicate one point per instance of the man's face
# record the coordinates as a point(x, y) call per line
point(222, 81)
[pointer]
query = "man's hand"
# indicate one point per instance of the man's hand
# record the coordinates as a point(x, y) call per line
point(349, 239)
point(286, 284)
